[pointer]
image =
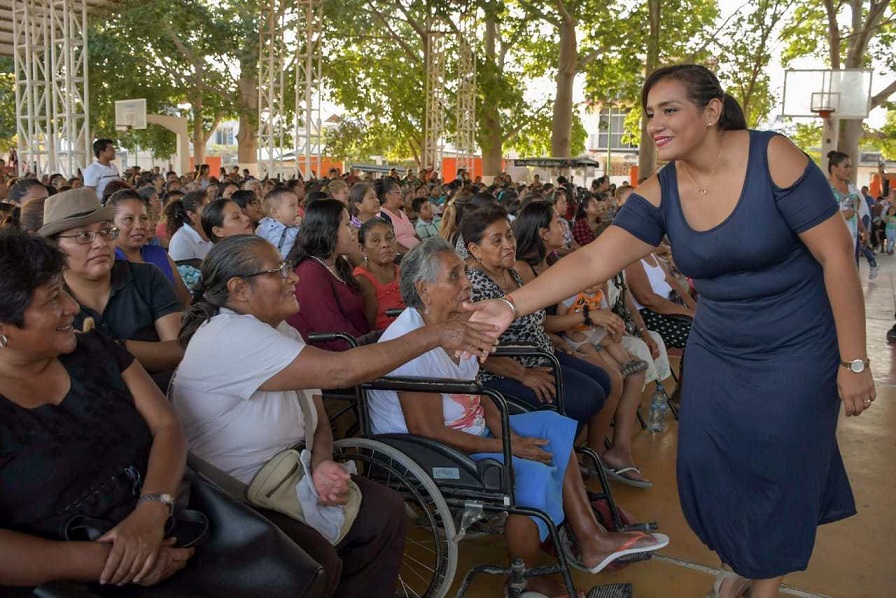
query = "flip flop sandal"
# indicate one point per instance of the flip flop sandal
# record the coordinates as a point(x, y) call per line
point(626, 549)
point(635, 366)
point(617, 475)
point(724, 576)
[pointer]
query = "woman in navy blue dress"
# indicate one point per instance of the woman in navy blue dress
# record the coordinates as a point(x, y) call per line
point(779, 330)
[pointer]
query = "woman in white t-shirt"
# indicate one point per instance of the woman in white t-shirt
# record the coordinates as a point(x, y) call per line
point(434, 286)
point(237, 393)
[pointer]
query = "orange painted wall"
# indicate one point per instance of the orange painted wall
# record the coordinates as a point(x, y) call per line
point(214, 163)
point(876, 186)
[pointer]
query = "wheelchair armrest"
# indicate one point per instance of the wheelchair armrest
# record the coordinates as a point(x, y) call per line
point(412, 384)
point(442, 386)
point(325, 337)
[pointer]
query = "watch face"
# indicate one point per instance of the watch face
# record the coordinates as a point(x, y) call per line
point(857, 366)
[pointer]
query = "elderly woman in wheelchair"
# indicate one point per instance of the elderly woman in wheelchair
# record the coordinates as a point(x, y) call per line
point(434, 286)
point(237, 393)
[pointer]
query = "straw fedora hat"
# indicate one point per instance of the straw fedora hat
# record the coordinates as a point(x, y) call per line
point(71, 209)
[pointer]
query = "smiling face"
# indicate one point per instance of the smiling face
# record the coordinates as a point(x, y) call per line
point(47, 330)
point(347, 236)
point(233, 222)
point(133, 224)
point(269, 297)
point(379, 245)
point(497, 249)
point(92, 261)
point(676, 124)
point(843, 170)
point(444, 297)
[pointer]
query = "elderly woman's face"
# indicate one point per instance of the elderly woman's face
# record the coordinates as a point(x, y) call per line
point(379, 245)
point(497, 249)
point(443, 298)
point(89, 260)
point(47, 330)
point(272, 298)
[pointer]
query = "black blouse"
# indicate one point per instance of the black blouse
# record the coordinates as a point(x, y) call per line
point(55, 460)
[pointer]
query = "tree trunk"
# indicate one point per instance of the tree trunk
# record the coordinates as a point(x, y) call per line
point(199, 137)
point(492, 141)
point(247, 138)
point(561, 132)
point(647, 149)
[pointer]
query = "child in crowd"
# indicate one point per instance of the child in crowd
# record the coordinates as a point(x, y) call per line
point(597, 341)
point(890, 224)
point(279, 224)
point(427, 223)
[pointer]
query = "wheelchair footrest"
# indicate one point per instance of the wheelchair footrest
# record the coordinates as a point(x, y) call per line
point(614, 590)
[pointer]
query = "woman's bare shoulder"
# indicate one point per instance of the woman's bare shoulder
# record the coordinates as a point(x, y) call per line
point(650, 190)
point(786, 162)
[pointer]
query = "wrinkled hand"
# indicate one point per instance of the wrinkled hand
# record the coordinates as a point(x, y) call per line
point(170, 561)
point(468, 337)
point(331, 482)
point(530, 448)
point(493, 312)
point(856, 391)
point(136, 542)
point(541, 381)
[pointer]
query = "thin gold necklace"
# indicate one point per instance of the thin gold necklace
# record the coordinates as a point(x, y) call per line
point(703, 190)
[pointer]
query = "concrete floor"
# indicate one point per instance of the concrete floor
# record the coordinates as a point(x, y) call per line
point(852, 558)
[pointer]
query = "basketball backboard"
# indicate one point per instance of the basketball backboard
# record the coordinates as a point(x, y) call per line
point(845, 93)
point(130, 114)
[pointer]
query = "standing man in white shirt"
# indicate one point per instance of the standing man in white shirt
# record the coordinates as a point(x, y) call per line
point(98, 174)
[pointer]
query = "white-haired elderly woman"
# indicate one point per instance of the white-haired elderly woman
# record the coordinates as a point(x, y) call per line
point(237, 394)
point(434, 286)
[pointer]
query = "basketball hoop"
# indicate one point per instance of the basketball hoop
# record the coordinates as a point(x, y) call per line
point(825, 112)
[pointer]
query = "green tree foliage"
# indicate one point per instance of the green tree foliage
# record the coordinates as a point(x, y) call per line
point(7, 104)
point(807, 137)
point(745, 52)
point(175, 53)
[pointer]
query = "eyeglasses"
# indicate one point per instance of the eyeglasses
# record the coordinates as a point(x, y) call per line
point(87, 237)
point(283, 270)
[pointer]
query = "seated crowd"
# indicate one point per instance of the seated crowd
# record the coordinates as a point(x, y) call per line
point(208, 288)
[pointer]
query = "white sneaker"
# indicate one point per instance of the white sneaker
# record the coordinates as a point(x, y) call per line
point(872, 274)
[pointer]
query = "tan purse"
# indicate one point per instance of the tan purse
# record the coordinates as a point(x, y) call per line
point(274, 486)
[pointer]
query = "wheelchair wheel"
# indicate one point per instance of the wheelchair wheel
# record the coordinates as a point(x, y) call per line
point(430, 554)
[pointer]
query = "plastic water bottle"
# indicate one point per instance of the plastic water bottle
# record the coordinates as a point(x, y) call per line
point(656, 419)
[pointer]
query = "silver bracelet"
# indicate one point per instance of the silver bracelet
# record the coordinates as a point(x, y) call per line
point(516, 312)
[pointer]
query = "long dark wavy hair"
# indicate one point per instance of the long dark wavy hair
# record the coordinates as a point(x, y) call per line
point(318, 235)
point(530, 247)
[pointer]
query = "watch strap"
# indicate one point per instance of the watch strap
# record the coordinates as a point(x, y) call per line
point(165, 499)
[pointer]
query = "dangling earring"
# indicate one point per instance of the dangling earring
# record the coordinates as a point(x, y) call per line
point(426, 311)
point(366, 264)
point(4, 340)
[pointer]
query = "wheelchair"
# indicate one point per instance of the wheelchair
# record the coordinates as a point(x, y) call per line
point(449, 495)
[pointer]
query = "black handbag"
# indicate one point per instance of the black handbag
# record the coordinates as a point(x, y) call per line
point(243, 556)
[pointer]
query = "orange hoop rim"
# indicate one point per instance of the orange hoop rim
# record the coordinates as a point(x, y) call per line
point(824, 112)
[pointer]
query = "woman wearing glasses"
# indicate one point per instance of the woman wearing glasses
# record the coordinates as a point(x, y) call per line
point(238, 394)
point(131, 302)
point(391, 205)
